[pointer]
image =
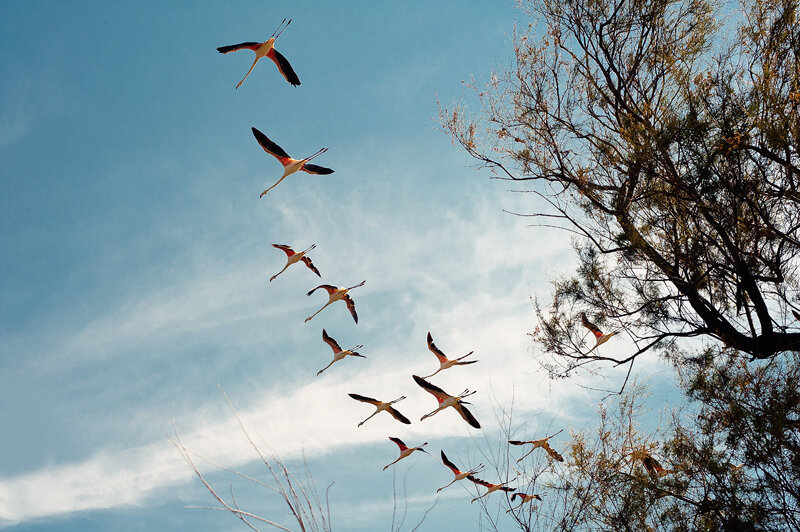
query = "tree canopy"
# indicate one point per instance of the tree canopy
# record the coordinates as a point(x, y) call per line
point(663, 135)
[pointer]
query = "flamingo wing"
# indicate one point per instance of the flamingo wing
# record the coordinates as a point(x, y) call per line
point(314, 169)
point(241, 46)
point(435, 350)
point(327, 287)
point(307, 262)
point(351, 306)
point(516, 442)
point(653, 467)
point(398, 416)
point(589, 325)
point(476, 480)
point(399, 443)
point(467, 415)
point(286, 249)
point(330, 341)
point(269, 146)
point(364, 399)
point(284, 67)
point(430, 388)
point(552, 452)
point(450, 464)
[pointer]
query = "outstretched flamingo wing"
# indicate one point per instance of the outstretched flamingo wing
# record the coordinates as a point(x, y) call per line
point(286, 249)
point(330, 341)
point(516, 442)
point(653, 467)
point(476, 480)
point(270, 147)
point(552, 452)
point(284, 67)
point(241, 46)
point(399, 443)
point(591, 326)
point(467, 415)
point(450, 464)
point(351, 306)
point(327, 287)
point(398, 416)
point(435, 350)
point(307, 262)
point(314, 169)
point(364, 399)
point(432, 389)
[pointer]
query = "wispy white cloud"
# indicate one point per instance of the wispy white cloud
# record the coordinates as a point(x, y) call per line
point(315, 415)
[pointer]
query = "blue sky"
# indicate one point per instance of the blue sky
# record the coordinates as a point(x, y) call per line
point(136, 254)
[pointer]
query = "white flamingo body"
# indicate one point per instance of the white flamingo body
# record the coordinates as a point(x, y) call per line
point(266, 49)
point(491, 488)
point(525, 499)
point(405, 451)
point(446, 401)
point(290, 164)
point(600, 338)
point(540, 444)
point(444, 362)
point(337, 294)
point(338, 352)
point(459, 475)
point(381, 406)
point(293, 257)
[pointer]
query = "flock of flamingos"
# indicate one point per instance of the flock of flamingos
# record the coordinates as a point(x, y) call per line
point(445, 400)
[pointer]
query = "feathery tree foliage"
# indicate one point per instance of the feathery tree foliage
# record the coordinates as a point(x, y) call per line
point(667, 139)
point(663, 134)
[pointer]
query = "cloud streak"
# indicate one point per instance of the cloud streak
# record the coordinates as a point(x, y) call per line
point(309, 415)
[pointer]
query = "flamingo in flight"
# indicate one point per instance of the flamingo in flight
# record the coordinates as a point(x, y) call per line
point(293, 256)
point(266, 48)
point(338, 352)
point(543, 443)
point(525, 499)
point(405, 450)
point(653, 466)
point(600, 338)
point(460, 475)
point(492, 487)
point(290, 165)
point(335, 294)
point(380, 406)
point(445, 362)
point(446, 400)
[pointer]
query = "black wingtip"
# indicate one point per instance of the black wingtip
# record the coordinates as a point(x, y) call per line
point(419, 380)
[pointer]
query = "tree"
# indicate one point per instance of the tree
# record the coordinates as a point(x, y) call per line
point(663, 135)
point(668, 143)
